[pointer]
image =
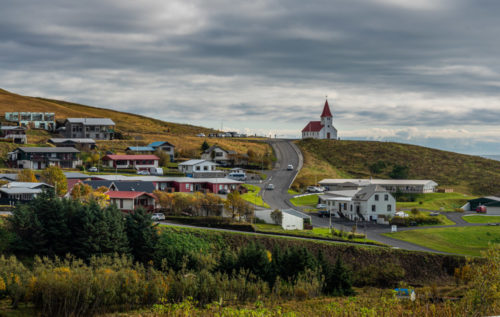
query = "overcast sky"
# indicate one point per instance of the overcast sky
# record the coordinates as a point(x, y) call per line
point(416, 71)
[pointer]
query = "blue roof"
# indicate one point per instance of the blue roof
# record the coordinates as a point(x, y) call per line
point(159, 143)
point(141, 148)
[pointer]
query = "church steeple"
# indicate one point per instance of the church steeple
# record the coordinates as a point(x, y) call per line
point(326, 110)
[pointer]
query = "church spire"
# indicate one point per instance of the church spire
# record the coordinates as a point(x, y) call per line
point(326, 110)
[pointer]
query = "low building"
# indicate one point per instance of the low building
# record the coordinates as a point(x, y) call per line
point(80, 144)
point(200, 169)
point(138, 162)
point(128, 201)
point(123, 185)
point(16, 134)
point(42, 157)
point(140, 149)
point(489, 205)
point(164, 146)
point(410, 186)
point(221, 156)
point(95, 128)
point(293, 219)
point(9, 177)
point(33, 120)
point(20, 192)
point(370, 203)
point(322, 129)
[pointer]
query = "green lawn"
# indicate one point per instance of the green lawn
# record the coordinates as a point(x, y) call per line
point(444, 220)
point(253, 197)
point(460, 240)
point(481, 219)
point(436, 201)
point(309, 200)
point(293, 192)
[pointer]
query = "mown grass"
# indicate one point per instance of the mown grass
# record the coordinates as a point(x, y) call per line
point(436, 201)
point(442, 218)
point(465, 173)
point(458, 240)
point(253, 197)
point(482, 219)
point(309, 200)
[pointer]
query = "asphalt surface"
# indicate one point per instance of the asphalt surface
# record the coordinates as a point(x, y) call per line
point(286, 153)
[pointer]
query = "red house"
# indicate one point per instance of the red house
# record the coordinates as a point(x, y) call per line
point(139, 162)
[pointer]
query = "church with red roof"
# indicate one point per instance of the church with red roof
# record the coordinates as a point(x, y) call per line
point(323, 129)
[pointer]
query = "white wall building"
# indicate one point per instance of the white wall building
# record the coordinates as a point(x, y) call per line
point(370, 203)
point(416, 186)
point(197, 166)
point(323, 129)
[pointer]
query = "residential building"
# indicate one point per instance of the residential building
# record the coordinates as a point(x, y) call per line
point(42, 157)
point(9, 177)
point(83, 144)
point(128, 201)
point(95, 128)
point(139, 150)
point(164, 146)
point(370, 203)
point(224, 157)
point(123, 185)
point(20, 192)
point(291, 219)
point(322, 129)
point(413, 186)
point(200, 169)
point(34, 120)
point(138, 162)
point(14, 133)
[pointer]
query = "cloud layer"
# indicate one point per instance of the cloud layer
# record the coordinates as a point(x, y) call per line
point(412, 71)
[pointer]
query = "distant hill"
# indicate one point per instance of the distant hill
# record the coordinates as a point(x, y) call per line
point(135, 129)
point(362, 159)
point(492, 157)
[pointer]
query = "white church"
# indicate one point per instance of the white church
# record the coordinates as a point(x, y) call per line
point(323, 129)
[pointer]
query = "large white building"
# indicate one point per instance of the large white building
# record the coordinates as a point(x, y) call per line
point(409, 186)
point(323, 129)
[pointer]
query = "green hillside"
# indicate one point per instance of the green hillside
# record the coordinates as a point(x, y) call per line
point(362, 159)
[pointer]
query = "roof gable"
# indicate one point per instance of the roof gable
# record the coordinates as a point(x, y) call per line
point(326, 110)
point(160, 143)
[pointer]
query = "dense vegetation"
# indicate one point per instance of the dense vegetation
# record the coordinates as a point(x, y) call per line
point(364, 159)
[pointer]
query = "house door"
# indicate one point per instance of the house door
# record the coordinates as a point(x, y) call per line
point(39, 165)
point(328, 135)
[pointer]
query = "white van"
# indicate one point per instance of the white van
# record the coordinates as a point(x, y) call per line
point(156, 171)
point(237, 176)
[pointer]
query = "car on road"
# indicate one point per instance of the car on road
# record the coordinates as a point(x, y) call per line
point(434, 214)
point(270, 187)
point(92, 169)
point(142, 172)
point(289, 167)
point(158, 216)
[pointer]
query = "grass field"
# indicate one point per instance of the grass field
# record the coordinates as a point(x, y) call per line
point(481, 219)
point(458, 240)
point(356, 159)
point(436, 201)
point(253, 197)
point(309, 200)
point(444, 220)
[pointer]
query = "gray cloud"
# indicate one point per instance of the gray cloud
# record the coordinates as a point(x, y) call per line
point(384, 63)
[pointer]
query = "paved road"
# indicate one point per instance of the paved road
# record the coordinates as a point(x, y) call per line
point(286, 153)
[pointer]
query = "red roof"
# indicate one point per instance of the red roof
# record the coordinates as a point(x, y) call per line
point(127, 194)
point(71, 183)
point(114, 157)
point(326, 110)
point(313, 126)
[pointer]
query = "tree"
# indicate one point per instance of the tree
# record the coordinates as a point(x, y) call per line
point(277, 216)
point(338, 278)
point(378, 167)
point(236, 204)
point(26, 175)
point(399, 172)
point(85, 193)
point(163, 156)
point(205, 146)
point(142, 235)
point(53, 175)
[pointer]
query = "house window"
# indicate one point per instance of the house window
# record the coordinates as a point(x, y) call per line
point(121, 203)
point(376, 197)
point(197, 168)
point(373, 208)
point(389, 208)
point(205, 168)
point(351, 207)
point(386, 197)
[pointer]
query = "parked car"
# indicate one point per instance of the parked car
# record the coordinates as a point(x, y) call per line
point(323, 213)
point(237, 176)
point(158, 216)
point(289, 167)
point(481, 209)
point(315, 189)
point(223, 191)
point(142, 172)
point(92, 169)
point(320, 206)
point(434, 214)
point(201, 135)
point(270, 187)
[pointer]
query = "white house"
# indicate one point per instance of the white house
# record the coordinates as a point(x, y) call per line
point(20, 192)
point(197, 166)
point(370, 203)
point(291, 218)
point(323, 129)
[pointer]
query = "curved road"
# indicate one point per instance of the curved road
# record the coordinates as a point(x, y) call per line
point(288, 153)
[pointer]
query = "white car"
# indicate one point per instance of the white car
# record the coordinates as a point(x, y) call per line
point(142, 172)
point(158, 216)
point(92, 169)
point(201, 135)
point(289, 167)
point(270, 187)
point(320, 206)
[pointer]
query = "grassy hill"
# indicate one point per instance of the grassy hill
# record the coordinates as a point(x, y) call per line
point(136, 129)
point(362, 159)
